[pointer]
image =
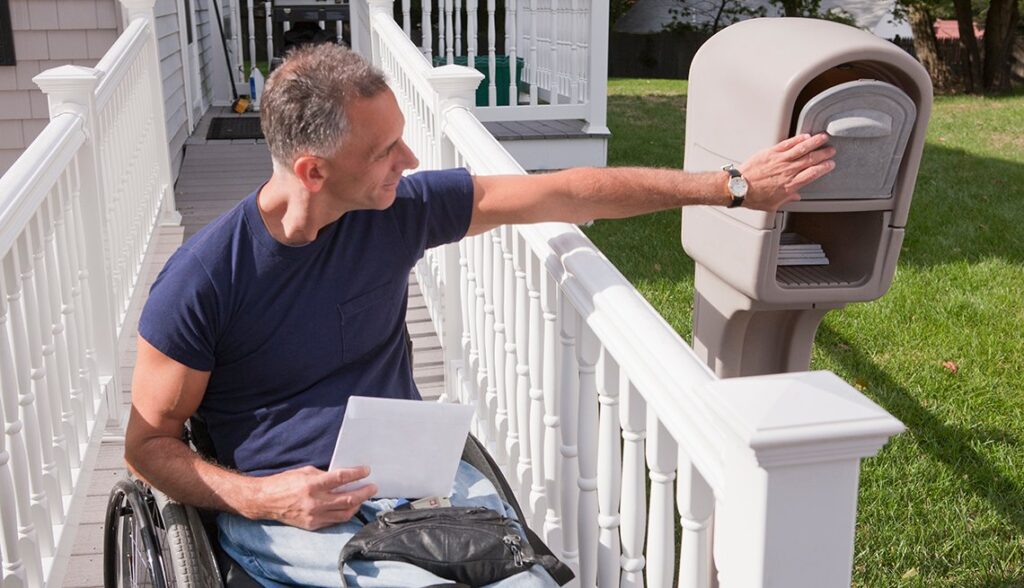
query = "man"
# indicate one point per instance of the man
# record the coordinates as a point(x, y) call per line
point(269, 318)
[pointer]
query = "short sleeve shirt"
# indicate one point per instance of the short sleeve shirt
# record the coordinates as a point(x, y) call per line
point(290, 333)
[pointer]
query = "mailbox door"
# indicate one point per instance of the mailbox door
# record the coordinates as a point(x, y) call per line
point(869, 123)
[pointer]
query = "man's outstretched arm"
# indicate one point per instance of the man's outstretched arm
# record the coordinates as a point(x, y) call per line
point(775, 176)
point(165, 393)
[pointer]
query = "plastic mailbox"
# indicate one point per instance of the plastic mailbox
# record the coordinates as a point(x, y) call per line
point(764, 281)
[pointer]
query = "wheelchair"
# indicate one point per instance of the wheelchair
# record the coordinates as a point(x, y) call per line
point(152, 541)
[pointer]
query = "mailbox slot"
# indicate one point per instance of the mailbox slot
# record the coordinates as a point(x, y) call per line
point(850, 241)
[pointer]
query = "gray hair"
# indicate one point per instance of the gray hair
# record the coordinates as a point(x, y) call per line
point(302, 110)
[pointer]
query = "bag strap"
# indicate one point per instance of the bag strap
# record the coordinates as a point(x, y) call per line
point(558, 570)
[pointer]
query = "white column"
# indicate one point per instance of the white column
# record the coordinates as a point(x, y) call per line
point(789, 510)
point(71, 89)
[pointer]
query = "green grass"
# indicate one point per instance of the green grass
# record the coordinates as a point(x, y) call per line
point(943, 504)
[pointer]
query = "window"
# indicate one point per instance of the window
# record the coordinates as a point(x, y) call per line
point(6, 35)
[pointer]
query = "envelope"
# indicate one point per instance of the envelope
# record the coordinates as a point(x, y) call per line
point(412, 447)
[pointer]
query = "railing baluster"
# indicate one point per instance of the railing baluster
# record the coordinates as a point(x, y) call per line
point(609, 471)
point(522, 330)
point(252, 34)
point(552, 423)
point(427, 30)
point(492, 89)
point(449, 32)
point(538, 498)
point(268, 26)
point(458, 29)
point(588, 350)
point(696, 503)
point(497, 375)
point(567, 398)
point(509, 309)
point(510, 51)
point(633, 414)
point(554, 22)
point(487, 283)
point(662, 460)
point(534, 67)
point(473, 33)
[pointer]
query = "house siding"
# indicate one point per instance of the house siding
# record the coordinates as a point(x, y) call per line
point(173, 78)
point(80, 32)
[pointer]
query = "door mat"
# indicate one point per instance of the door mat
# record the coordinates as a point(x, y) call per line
point(240, 127)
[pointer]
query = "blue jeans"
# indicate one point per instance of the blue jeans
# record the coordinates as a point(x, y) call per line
point(278, 555)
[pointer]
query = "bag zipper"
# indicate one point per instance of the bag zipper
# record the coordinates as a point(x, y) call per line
point(512, 541)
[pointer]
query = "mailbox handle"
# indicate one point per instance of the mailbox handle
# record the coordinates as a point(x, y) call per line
point(861, 123)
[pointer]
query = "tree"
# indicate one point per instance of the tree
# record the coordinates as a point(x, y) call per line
point(922, 24)
point(1000, 32)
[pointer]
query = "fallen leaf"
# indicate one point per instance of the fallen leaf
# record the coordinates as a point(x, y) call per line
point(842, 347)
point(951, 365)
point(860, 384)
point(657, 267)
point(912, 572)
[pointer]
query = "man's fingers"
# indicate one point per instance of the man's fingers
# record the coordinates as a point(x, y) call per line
point(787, 144)
point(805, 146)
point(340, 477)
point(810, 174)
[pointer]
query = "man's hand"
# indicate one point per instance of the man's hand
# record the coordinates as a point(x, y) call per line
point(774, 176)
point(305, 497)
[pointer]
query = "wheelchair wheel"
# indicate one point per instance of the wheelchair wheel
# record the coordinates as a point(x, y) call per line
point(188, 553)
point(131, 550)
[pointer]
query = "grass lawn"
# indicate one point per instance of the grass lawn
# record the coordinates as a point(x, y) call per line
point(943, 351)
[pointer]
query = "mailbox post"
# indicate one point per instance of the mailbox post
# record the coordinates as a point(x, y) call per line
point(764, 281)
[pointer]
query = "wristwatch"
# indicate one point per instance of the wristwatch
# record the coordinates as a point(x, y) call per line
point(737, 185)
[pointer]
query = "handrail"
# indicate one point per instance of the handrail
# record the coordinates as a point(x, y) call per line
point(29, 179)
point(114, 62)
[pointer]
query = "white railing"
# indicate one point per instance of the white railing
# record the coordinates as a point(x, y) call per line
point(77, 211)
point(583, 393)
point(554, 53)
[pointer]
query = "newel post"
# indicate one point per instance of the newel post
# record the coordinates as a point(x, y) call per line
point(597, 69)
point(169, 215)
point(72, 89)
point(455, 87)
point(789, 507)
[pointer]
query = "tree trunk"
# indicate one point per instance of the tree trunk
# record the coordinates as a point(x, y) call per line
point(972, 59)
point(1000, 27)
point(921, 23)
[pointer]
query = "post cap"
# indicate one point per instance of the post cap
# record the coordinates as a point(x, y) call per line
point(67, 78)
point(802, 417)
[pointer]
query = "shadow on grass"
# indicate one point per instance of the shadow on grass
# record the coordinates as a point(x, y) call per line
point(951, 445)
point(966, 207)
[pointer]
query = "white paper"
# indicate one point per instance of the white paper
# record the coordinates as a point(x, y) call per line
point(412, 447)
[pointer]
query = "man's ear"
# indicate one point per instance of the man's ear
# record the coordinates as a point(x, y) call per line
point(310, 171)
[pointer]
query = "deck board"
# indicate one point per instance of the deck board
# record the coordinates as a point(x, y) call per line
point(214, 177)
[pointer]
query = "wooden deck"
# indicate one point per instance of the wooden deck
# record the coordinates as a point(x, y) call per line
point(214, 176)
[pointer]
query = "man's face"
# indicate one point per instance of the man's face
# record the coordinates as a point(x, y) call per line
point(364, 173)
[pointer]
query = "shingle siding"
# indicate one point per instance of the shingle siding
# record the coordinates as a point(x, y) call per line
point(47, 34)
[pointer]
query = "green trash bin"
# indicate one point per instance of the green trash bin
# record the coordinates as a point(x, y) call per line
point(500, 76)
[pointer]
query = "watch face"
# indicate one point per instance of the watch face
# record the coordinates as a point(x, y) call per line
point(738, 187)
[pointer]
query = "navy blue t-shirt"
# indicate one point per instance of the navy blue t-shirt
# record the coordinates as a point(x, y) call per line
point(290, 333)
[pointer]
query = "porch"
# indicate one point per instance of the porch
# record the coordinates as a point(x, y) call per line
point(608, 426)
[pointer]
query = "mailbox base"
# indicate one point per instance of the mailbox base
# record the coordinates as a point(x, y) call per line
point(737, 336)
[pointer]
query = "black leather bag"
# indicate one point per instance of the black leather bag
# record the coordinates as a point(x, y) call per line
point(474, 546)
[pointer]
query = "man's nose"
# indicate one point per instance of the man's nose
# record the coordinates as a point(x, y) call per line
point(410, 161)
